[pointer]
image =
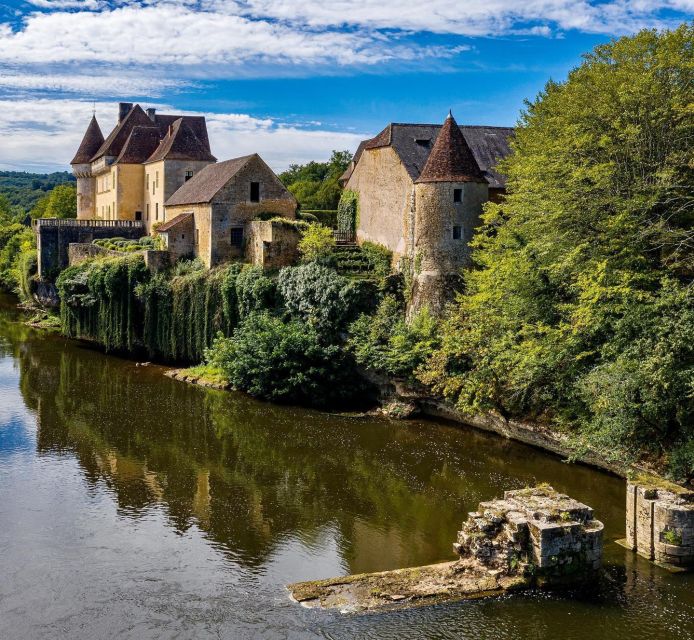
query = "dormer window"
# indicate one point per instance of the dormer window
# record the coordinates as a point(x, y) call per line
point(188, 176)
point(423, 142)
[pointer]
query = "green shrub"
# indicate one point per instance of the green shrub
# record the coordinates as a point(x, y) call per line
point(317, 243)
point(305, 216)
point(385, 342)
point(283, 362)
point(254, 291)
point(380, 258)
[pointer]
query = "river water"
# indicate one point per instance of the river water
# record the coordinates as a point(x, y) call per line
point(135, 506)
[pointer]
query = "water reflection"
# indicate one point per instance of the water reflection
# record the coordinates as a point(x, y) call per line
point(284, 494)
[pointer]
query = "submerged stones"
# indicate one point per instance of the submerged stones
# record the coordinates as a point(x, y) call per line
point(531, 537)
point(535, 531)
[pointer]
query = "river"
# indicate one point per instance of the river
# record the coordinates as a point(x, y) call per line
point(135, 506)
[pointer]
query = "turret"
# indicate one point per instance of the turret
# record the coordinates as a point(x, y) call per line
point(81, 168)
point(449, 196)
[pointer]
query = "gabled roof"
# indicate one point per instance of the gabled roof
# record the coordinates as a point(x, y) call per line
point(174, 222)
point(205, 184)
point(139, 146)
point(113, 145)
point(413, 144)
point(93, 139)
point(181, 143)
point(350, 169)
point(451, 159)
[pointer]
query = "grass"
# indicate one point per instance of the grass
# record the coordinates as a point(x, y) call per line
point(206, 373)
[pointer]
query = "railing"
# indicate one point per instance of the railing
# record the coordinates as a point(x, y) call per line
point(73, 222)
point(343, 237)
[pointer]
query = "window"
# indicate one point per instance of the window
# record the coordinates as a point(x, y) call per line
point(189, 175)
point(255, 191)
point(148, 212)
point(457, 195)
point(197, 237)
point(157, 179)
point(146, 181)
point(457, 232)
point(237, 236)
point(423, 142)
point(156, 211)
point(138, 215)
point(153, 187)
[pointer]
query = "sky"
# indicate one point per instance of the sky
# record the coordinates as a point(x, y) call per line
point(289, 79)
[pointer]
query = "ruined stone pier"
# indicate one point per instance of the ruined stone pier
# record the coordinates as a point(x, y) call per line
point(660, 522)
point(533, 537)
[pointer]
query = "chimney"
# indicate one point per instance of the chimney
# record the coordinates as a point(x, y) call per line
point(123, 110)
point(151, 113)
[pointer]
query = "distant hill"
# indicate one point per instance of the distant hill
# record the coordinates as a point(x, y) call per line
point(24, 189)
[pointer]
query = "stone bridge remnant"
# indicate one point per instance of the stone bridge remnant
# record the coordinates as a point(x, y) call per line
point(660, 523)
point(534, 537)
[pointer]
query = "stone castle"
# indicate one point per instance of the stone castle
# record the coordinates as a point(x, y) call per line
point(420, 190)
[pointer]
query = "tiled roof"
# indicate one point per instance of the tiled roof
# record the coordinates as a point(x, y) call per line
point(116, 140)
point(183, 217)
point(413, 144)
point(181, 143)
point(451, 159)
point(136, 117)
point(139, 146)
point(93, 139)
point(205, 184)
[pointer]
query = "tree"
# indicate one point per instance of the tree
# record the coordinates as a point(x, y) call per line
point(60, 202)
point(316, 243)
point(588, 258)
point(315, 184)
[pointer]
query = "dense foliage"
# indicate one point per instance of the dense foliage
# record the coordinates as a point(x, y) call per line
point(284, 361)
point(317, 243)
point(315, 184)
point(23, 190)
point(348, 211)
point(581, 312)
point(60, 202)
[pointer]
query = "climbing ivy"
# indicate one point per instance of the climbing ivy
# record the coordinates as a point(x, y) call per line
point(348, 211)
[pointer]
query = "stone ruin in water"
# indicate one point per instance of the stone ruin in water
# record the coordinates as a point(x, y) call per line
point(535, 532)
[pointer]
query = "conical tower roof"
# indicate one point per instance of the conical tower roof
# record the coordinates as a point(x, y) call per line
point(451, 159)
point(93, 139)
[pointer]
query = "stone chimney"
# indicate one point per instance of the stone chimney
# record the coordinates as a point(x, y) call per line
point(151, 113)
point(123, 110)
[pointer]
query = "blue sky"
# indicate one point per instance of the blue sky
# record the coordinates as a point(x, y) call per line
point(290, 79)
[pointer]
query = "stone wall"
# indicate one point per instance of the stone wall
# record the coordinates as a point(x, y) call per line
point(78, 252)
point(272, 245)
point(537, 531)
point(54, 236)
point(660, 523)
point(156, 261)
point(385, 197)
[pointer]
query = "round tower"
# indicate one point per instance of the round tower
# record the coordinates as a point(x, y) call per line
point(449, 196)
point(82, 169)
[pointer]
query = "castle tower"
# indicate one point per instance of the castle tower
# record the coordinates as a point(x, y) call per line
point(81, 168)
point(449, 196)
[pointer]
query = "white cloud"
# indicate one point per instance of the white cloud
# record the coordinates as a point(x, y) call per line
point(44, 134)
point(96, 85)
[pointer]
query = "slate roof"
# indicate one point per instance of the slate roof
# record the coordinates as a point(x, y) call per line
point(174, 222)
point(451, 159)
point(181, 143)
point(195, 130)
point(414, 142)
point(93, 139)
point(139, 146)
point(207, 182)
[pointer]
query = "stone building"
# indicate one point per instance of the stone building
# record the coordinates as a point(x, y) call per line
point(421, 189)
point(139, 165)
point(210, 215)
